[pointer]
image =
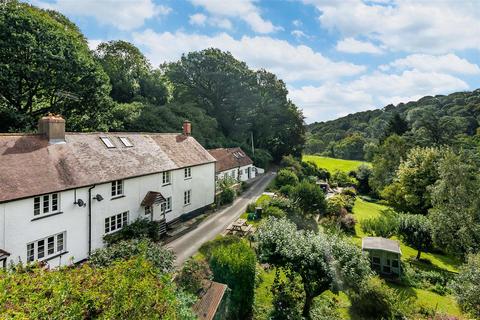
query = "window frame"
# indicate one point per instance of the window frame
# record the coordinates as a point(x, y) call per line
point(126, 141)
point(166, 178)
point(46, 204)
point(116, 222)
point(187, 197)
point(187, 173)
point(166, 206)
point(117, 188)
point(42, 247)
point(108, 142)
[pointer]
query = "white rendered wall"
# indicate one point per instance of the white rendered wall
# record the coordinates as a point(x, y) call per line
point(17, 228)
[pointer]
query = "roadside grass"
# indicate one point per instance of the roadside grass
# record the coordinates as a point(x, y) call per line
point(332, 164)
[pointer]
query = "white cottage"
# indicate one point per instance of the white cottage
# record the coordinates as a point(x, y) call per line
point(233, 163)
point(60, 193)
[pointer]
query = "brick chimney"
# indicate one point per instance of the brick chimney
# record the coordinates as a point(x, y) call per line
point(52, 127)
point(187, 128)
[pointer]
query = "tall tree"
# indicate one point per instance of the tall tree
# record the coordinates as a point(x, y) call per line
point(322, 262)
point(416, 231)
point(46, 66)
point(455, 214)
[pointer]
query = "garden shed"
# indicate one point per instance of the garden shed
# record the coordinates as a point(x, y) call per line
point(384, 255)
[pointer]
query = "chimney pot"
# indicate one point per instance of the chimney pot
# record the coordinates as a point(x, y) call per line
point(52, 127)
point(187, 128)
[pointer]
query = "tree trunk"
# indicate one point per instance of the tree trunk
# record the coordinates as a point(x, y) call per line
point(307, 306)
point(418, 254)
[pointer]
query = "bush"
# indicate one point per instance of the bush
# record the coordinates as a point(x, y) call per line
point(130, 289)
point(342, 179)
point(375, 300)
point(467, 285)
point(310, 198)
point(347, 223)
point(251, 207)
point(234, 265)
point(194, 276)
point(208, 247)
point(286, 190)
point(227, 196)
point(336, 203)
point(161, 258)
point(286, 177)
point(349, 191)
point(140, 228)
point(272, 211)
point(385, 225)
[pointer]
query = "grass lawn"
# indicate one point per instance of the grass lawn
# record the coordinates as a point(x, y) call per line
point(332, 164)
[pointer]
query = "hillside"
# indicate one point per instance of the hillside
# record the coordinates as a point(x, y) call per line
point(440, 120)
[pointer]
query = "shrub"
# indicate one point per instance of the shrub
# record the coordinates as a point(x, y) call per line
point(349, 191)
point(383, 226)
point(342, 179)
point(194, 276)
point(347, 223)
point(272, 211)
point(161, 258)
point(287, 297)
point(234, 265)
point(140, 228)
point(310, 198)
point(310, 169)
point(286, 190)
point(130, 289)
point(336, 203)
point(227, 196)
point(286, 177)
point(251, 207)
point(467, 285)
point(375, 300)
point(208, 247)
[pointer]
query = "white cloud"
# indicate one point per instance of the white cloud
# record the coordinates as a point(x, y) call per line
point(244, 10)
point(198, 19)
point(297, 23)
point(449, 63)
point(299, 34)
point(406, 25)
point(351, 45)
point(124, 15)
point(93, 43)
point(331, 100)
point(289, 62)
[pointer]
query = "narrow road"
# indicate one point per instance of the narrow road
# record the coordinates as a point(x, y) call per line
point(188, 244)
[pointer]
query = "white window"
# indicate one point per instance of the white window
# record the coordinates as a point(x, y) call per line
point(233, 173)
point(46, 247)
point(117, 188)
point(187, 197)
point(116, 222)
point(126, 142)
point(167, 205)
point(108, 143)
point(46, 204)
point(188, 173)
point(166, 177)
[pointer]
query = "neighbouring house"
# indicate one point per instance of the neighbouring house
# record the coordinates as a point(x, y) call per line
point(233, 163)
point(61, 193)
point(384, 255)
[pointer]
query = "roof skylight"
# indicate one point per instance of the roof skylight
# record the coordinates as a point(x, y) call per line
point(108, 143)
point(126, 142)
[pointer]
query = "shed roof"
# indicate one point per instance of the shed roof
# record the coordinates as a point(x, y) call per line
point(378, 243)
point(3, 254)
point(207, 306)
point(230, 158)
point(30, 165)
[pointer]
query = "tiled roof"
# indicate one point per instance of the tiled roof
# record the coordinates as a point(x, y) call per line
point(29, 165)
point(207, 306)
point(378, 243)
point(229, 158)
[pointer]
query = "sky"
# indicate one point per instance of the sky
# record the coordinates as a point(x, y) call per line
point(336, 56)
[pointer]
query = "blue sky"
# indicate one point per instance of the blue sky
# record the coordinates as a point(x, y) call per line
point(336, 56)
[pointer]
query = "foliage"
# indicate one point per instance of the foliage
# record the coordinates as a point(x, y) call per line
point(467, 285)
point(430, 121)
point(363, 174)
point(234, 265)
point(310, 198)
point(244, 102)
point(272, 211)
point(131, 289)
point(455, 198)
point(227, 196)
point(409, 192)
point(385, 225)
point(194, 276)
point(416, 231)
point(208, 247)
point(287, 297)
point(375, 300)
point(350, 147)
point(286, 177)
point(46, 67)
point(342, 179)
point(162, 259)
point(311, 169)
point(140, 228)
point(323, 262)
point(262, 158)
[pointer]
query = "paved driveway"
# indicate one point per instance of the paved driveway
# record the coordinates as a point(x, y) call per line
point(188, 244)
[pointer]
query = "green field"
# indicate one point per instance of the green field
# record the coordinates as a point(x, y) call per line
point(332, 164)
